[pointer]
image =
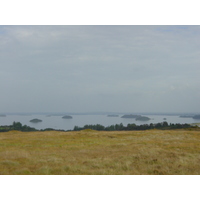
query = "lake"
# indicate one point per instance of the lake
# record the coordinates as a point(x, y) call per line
point(57, 122)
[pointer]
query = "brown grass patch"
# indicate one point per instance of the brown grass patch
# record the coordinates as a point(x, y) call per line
point(95, 152)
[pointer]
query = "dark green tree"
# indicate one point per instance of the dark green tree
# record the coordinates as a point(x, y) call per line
point(17, 126)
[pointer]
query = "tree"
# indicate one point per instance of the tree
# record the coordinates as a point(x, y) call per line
point(131, 127)
point(76, 128)
point(17, 126)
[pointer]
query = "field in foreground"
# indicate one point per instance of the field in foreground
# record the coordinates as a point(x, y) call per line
point(94, 152)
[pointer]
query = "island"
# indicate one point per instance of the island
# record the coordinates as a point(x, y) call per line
point(67, 117)
point(2, 115)
point(142, 118)
point(196, 117)
point(130, 116)
point(35, 120)
point(112, 115)
point(186, 116)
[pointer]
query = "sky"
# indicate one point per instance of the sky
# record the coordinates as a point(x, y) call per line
point(100, 68)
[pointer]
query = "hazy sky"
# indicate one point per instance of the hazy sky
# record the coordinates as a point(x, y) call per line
point(100, 68)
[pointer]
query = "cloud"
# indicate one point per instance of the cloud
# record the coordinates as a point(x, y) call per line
point(76, 68)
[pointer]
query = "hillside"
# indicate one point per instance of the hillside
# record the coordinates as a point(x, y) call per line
point(100, 152)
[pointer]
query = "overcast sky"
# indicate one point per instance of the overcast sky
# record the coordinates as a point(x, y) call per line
point(100, 68)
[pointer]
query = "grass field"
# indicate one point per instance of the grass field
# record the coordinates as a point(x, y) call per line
point(100, 153)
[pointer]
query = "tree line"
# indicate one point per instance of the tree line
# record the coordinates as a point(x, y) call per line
point(121, 127)
point(17, 126)
point(117, 127)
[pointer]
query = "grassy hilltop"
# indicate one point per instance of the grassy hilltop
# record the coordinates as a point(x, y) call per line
point(100, 152)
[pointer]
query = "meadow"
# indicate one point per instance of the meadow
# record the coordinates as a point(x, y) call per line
point(89, 152)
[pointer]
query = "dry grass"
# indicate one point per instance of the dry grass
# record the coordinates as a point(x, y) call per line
point(92, 152)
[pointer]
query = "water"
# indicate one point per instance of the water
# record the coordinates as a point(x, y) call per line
point(56, 122)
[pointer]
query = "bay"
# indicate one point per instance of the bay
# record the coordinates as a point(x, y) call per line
point(57, 122)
